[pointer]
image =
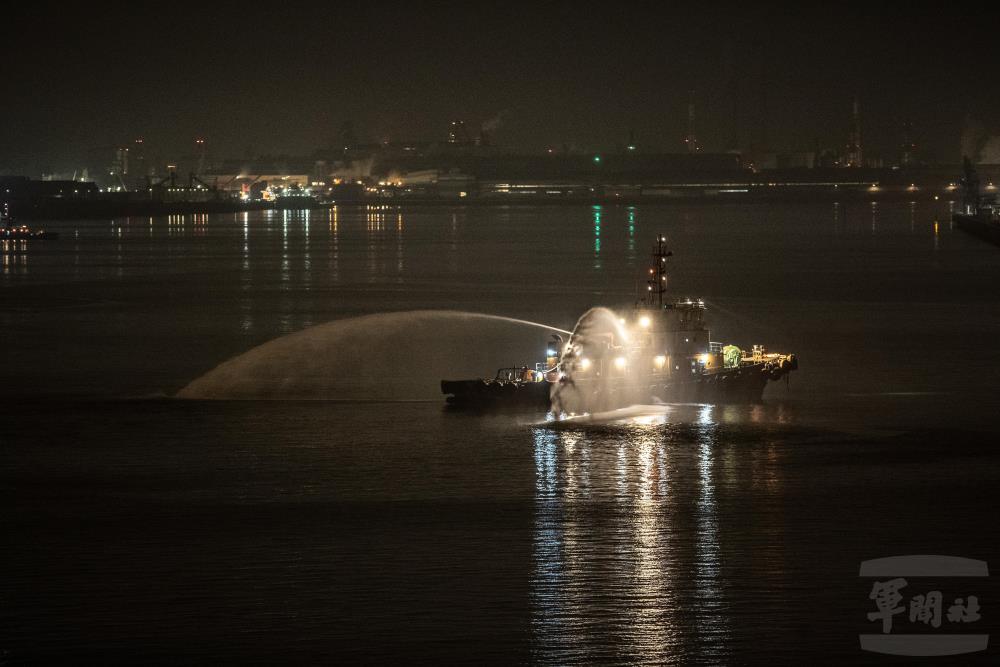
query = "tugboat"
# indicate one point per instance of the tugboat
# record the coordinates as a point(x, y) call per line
point(9, 231)
point(980, 215)
point(662, 352)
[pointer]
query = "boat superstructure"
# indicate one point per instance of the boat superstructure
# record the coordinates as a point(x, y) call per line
point(662, 350)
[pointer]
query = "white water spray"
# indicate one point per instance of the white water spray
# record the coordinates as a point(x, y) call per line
point(387, 356)
point(583, 356)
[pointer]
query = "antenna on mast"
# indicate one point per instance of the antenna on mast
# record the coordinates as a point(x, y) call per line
point(657, 282)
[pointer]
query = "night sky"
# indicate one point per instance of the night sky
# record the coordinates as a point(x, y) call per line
point(266, 80)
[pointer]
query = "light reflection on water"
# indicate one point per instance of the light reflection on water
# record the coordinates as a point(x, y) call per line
point(334, 259)
point(597, 210)
point(707, 537)
point(628, 553)
point(635, 555)
point(15, 257)
point(631, 235)
point(453, 244)
point(712, 620)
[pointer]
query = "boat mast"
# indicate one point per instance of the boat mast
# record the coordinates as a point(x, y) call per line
point(657, 283)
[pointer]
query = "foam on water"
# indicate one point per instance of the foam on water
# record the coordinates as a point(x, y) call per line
point(633, 415)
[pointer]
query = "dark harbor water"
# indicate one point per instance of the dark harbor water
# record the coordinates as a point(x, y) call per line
point(139, 528)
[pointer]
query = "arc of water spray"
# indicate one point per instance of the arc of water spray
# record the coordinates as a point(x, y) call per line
point(517, 321)
point(289, 366)
point(589, 315)
point(563, 393)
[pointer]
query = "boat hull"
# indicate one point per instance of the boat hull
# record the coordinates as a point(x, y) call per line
point(742, 385)
point(737, 385)
point(984, 229)
point(488, 395)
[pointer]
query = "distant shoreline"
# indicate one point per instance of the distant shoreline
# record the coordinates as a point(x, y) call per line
point(76, 209)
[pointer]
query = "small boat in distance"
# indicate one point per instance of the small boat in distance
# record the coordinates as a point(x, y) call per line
point(10, 231)
point(661, 352)
point(23, 233)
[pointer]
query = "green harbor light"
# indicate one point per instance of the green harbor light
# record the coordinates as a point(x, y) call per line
point(597, 159)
